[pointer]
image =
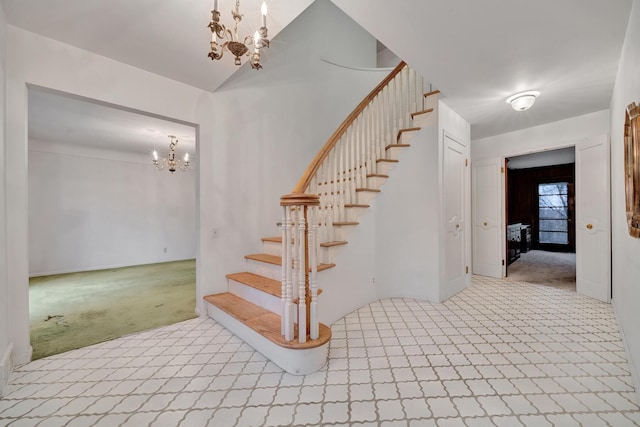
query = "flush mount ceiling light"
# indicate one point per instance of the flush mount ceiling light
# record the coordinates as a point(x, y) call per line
point(523, 101)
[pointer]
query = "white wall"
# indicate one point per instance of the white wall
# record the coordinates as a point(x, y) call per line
point(5, 356)
point(89, 211)
point(36, 60)
point(256, 135)
point(549, 136)
point(625, 249)
point(407, 215)
point(277, 119)
point(409, 233)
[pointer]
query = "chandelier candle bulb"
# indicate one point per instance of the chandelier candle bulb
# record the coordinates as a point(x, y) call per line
point(230, 40)
point(170, 161)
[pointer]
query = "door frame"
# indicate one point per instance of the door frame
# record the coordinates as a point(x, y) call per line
point(505, 201)
point(577, 206)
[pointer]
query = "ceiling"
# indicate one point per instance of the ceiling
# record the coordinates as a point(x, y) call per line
point(561, 156)
point(476, 52)
point(77, 122)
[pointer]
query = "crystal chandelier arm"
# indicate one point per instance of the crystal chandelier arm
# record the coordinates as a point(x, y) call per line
point(159, 165)
point(233, 43)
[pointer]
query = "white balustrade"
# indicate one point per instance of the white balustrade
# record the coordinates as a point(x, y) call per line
point(329, 186)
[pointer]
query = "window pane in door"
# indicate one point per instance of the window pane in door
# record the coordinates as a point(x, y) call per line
point(553, 213)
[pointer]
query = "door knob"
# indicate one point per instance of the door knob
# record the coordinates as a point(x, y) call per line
point(589, 226)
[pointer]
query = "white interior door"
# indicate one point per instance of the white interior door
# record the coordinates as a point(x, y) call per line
point(487, 218)
point(593, 230)
point(454, 195)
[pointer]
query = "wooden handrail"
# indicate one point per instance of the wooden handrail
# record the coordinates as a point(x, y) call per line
point(308, 175)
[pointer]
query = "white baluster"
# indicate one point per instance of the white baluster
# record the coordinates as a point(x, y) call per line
point(303, 268)
point(358, 142)
point(341, 184)
point(295, 251)
point(313, 275)
point(333, 155)
point(287, 318)
point(365, 147)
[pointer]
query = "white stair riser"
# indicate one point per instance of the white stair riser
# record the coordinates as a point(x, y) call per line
point(431, 101)
point(376, 182)
point(342, 232)
point(353, 214)
point(255, 296)
point(296, 362)
point(385, 167)
point(424, 120)
point(365, 197)
point(328, 254)
point(406, 137)
point(265, 269)
point(393, 153)
point(272, 248)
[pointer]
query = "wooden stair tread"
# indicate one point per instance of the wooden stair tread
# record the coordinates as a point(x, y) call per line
point(377, 175)
point(387, 161)
point(433, 92)
point(412, 129)
point(339, 223)
point(397, 146)
point(272, 239)
point(332, 244)
point(277, 260)
point(263, 321)
point(355, 205)
point(373, 190)
point(401, 131)
point(417, 113)
point(268, 258)
point(261, 283)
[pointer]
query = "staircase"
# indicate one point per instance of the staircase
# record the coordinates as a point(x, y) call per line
point(273, 305)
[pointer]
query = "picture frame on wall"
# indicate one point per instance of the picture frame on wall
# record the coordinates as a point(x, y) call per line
point(632, 167)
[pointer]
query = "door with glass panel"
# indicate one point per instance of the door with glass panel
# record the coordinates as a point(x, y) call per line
point(555, 230)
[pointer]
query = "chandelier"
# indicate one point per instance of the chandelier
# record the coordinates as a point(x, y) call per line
point(170, 161)
point(231, 40)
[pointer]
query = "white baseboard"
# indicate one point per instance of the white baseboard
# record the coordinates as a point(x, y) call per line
point(6, 367)
point(20, 359)
point(635, 379)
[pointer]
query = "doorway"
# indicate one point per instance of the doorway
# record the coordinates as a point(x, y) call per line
point(541, 235)
point(112, 240)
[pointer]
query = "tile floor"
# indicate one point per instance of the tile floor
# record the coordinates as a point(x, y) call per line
point(497, 354)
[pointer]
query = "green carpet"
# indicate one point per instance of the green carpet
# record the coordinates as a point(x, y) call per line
point(75, 310)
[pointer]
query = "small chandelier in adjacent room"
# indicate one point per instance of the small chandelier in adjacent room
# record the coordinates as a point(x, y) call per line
point(170, 162)
point(523, 101)
point(231, 40)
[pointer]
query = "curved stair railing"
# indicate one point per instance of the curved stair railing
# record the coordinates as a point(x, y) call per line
point(354, 154)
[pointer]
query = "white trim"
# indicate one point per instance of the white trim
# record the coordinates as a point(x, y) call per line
point(635, 375)
point(296, 362)
point(6, 367)
point(103, 267)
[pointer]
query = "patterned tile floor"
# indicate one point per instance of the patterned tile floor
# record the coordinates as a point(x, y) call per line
point(497, 354)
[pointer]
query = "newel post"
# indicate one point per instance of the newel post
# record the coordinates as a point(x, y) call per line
point(300, 265)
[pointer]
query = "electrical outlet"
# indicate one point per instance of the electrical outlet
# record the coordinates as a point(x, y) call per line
point(165, 250)
point(214, 233)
